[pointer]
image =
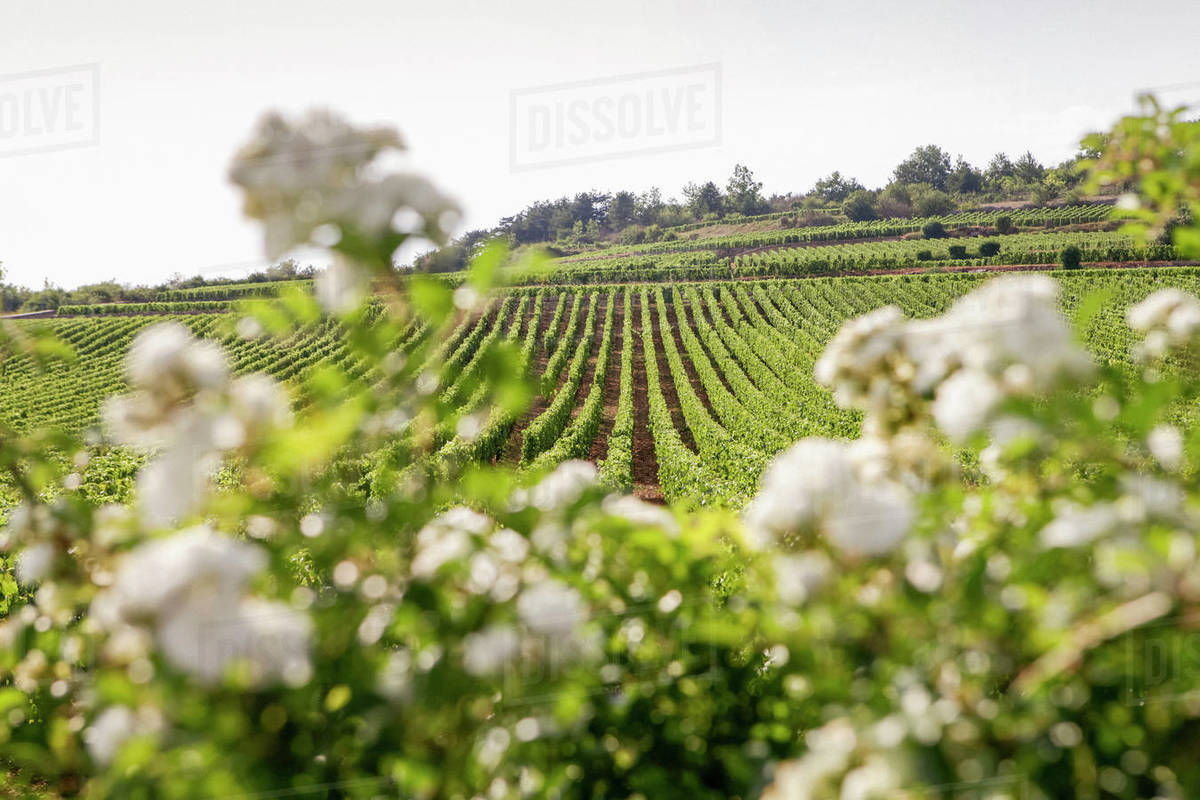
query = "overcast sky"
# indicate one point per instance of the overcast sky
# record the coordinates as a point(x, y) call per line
point(137, 190)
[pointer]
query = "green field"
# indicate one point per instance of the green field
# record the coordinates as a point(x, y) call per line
point(721, 371)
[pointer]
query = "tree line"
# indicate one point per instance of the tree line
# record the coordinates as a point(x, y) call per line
point(929, 182)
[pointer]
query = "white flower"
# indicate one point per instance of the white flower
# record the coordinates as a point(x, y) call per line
point(116, 725)
point(167, 573)
point(259, 401)
point(873, 780)
point(395, 679)
point(860, 355)
point(964, 402)
point(1014, 320)
point(509, 545)
point(34, 562)
point(302, 174)
point(815, 774)
point(447, 537)
point(172, 484)
point(564, 485)
point(1075, 525)
point(1166, 445)
point(189, 589)
point(799, 486)
point(342, 285)
point(206, 636)
point(798, 576)
point(814, 485)
point(110, 730)
point(870, 520)
point(1168, 317)
point(1148, 496)
point(487, 651)
point(641, 513)
point(550, 607)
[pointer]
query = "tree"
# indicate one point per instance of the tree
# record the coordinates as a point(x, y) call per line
point(703, 199)
point(743, 193)
point(649, 204)
point(929, 164)
point(1028, 168)
point(835, 188)
point(1000, 167)
point(860, 206)
point(965, 179)
point(930, 202)
point(933, 230)
point(1070, 257)
point(622, 210)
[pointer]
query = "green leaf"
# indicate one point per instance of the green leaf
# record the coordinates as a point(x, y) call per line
point(485, 268)
point(432, 298)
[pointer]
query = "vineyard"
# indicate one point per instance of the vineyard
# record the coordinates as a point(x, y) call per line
point(682, 392)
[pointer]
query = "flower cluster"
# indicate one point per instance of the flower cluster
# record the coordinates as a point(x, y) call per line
point(189, 592)
point(1169, 318)
point(186, 409)
point(315, 178)
point(1006, 338)
point(816, 486)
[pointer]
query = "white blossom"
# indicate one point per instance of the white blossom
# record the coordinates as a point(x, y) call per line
point(798, 576)
point(34, 562)
point(447, 537)
point(1166, 445)
point(259, 402)
point(1169, 318)
point(964, 403)
point(116, 725)
point(564, 485)
point(205, 636)
point(342, 285)
point(111, 728)
point(550, 607)
point(639, 512)
point(299, 175)
point(1076, 525)
point(486, 652)
point(814, 485)
point(189, 589)
point(871, 520)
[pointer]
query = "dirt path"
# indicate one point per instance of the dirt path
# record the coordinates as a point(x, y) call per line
point(593, 360)
point(645, 461)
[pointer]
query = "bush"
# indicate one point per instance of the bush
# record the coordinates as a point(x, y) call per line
point(932, 203)
point(989, 249)
point(1070, 257)
point(891, 208)
point(634, 234)
point(1004, 224)
point(924, 255)
point(933, 230)
point(860, 206)
point(958, 251)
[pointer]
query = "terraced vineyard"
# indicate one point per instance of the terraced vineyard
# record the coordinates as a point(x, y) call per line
point(1037, 237)
point(681, 391)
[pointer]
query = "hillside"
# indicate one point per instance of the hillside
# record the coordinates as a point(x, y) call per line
point(681, 391)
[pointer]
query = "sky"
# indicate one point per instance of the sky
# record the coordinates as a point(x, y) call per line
point(118, 119)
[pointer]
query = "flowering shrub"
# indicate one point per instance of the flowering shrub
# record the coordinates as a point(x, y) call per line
point(986, 595)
